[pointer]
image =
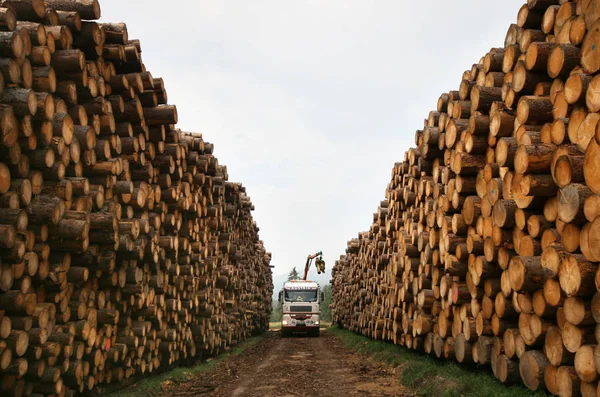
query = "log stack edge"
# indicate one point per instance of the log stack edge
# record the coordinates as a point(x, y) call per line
point(124, 249)
point(486, 247)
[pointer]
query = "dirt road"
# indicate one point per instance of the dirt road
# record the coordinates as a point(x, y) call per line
point(299, 366)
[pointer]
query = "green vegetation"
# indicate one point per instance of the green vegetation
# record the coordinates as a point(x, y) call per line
point(325, 309)
point(274, 325)
point(293, 274)
point(276, 312)
point(150, 386)
point(426, 376)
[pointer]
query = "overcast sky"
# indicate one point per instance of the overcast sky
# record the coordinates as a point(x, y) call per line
point(310, 103)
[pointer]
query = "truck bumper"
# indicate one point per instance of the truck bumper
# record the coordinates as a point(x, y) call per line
point(300, 328)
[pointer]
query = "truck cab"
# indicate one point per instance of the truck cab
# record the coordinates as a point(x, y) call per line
point(301, 308)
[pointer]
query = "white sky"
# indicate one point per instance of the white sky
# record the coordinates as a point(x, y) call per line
point(310, 103)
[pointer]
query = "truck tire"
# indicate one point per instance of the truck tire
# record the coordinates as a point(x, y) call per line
point(315, 333)
point(285, 333)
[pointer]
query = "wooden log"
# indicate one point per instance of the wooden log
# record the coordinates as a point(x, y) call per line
point(562, 60)
point(87, 9)
point(585, 366)
point(526, 272)
point(531, 368)
point(533, 159)
point(589, 64)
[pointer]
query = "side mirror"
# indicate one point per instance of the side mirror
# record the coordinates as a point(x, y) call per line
point(280, 296)
point(322, 296)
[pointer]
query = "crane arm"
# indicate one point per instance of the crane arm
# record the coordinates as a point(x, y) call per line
point(309, 260)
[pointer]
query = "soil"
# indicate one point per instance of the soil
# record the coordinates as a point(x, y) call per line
point(295, 366)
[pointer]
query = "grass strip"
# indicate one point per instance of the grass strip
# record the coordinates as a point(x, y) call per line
point(427, 376)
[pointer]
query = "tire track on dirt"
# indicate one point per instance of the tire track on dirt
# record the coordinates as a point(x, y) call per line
point(297, 366)
point(273, 354)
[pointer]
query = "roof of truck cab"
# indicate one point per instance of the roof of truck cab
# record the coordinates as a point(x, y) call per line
point(301, 283)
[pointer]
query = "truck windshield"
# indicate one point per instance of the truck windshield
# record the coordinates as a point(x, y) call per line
point(307, 295)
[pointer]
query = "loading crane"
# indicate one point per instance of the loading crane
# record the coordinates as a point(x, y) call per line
point(319, 263)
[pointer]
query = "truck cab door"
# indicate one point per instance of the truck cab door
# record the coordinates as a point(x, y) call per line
point(280, 296)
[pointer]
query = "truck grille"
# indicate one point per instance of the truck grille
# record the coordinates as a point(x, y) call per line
point(300, 309)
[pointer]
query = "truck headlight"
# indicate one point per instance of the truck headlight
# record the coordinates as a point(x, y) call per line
point(284, 322)
point(316, 322)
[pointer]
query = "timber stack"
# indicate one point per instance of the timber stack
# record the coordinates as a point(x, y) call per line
point(486, 247)
point(124, 247)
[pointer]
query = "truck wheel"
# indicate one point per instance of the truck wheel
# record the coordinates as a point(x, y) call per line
point(285, 333)
point(316, 333)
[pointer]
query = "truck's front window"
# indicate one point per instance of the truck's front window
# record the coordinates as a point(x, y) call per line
point(305, 295)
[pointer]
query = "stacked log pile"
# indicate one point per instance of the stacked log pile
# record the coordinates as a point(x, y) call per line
point(486, 247)
point(124, 248)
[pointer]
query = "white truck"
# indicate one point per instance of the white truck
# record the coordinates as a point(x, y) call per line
point(301, 311)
